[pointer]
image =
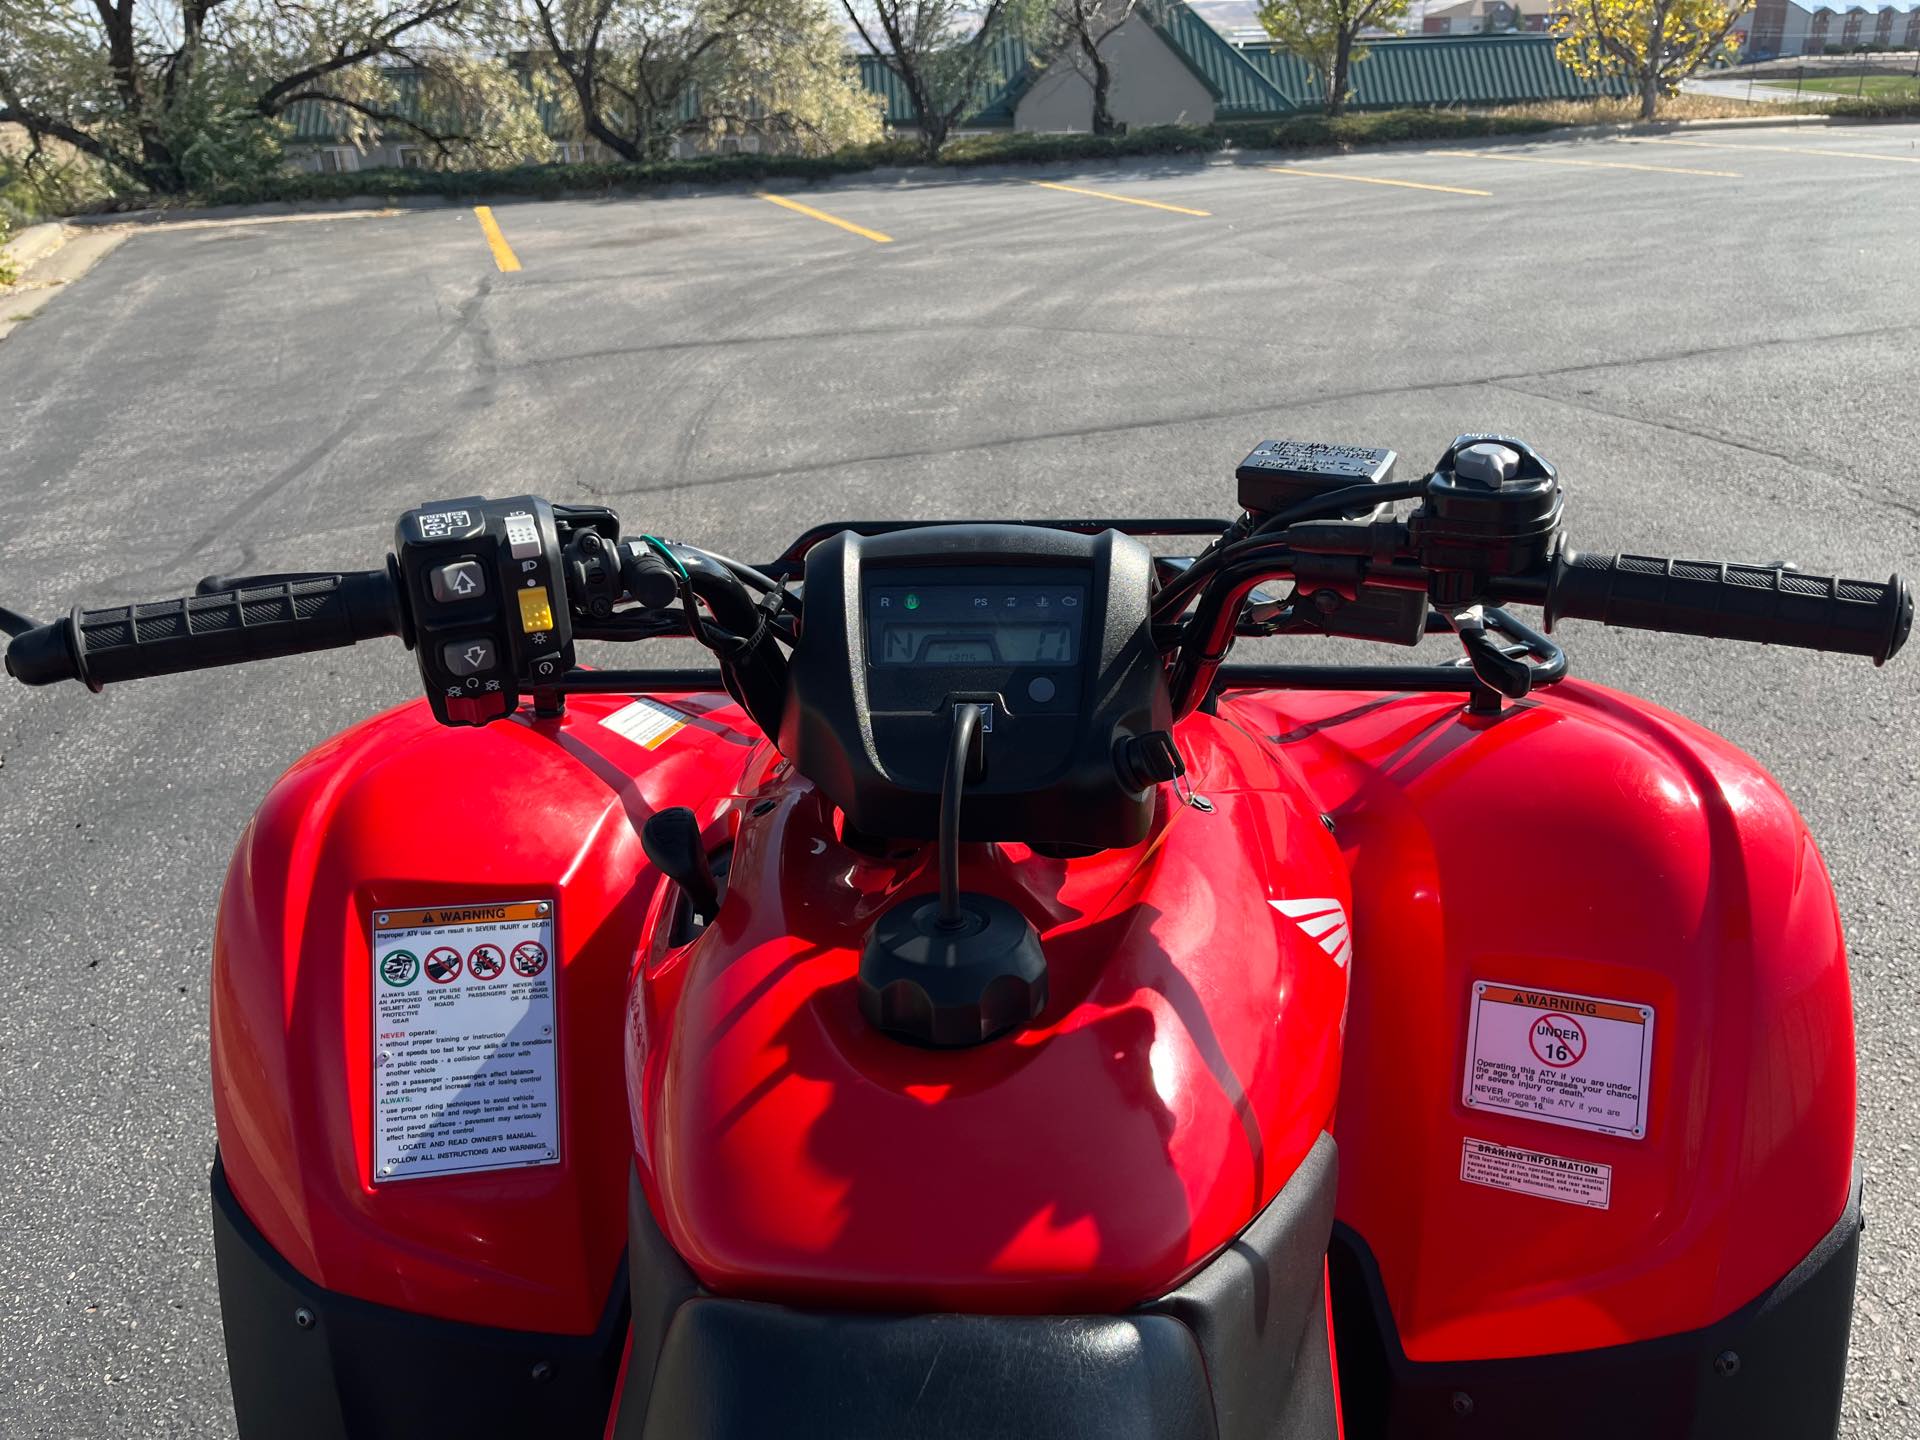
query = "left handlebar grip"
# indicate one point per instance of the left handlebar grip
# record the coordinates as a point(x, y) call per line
point(287, 616)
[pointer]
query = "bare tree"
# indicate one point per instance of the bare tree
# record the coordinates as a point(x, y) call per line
point(168, 93)
point(1076, 32)
point(939, 50)
point(642, 72)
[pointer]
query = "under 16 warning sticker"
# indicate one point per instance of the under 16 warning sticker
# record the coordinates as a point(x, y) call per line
point(463, 1040)
point(1566, 1059)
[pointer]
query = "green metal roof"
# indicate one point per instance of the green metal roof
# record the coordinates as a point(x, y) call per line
point(1236, 85)
point(1010, 68)
point(1437, 70)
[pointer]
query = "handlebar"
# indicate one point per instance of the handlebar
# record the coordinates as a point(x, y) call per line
point(1768, 606)
point(491, 593)
point(286, 616)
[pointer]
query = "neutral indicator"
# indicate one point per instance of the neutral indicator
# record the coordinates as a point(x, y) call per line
point(913, 602)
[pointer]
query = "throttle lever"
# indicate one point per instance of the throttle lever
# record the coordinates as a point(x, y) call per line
point(1497, 670)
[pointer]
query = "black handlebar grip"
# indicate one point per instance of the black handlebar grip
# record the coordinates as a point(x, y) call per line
point(1733, 602)
point(286, 616)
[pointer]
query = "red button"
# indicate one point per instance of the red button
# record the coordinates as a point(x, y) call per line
point(476, 709)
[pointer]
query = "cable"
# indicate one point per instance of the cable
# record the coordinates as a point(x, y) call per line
point(966, 725)
point(14, 623)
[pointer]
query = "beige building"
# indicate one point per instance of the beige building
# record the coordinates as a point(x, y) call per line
point(1481, 17)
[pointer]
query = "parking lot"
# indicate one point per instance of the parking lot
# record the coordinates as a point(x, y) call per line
point(1715, 335)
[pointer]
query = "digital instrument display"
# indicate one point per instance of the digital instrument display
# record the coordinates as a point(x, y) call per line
point(976, 625)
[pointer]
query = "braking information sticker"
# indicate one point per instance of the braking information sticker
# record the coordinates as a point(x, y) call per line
point(1529, 1172)
point(1566, 1059)
point(464, 1049)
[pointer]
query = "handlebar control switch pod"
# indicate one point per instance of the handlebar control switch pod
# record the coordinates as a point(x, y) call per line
point(1492, 510)
point(486, 582)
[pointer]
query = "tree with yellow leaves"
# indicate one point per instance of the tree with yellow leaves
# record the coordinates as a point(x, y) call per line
point(1654, 43)
point(1326, 34)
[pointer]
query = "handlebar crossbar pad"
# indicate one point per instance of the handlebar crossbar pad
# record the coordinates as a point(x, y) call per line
point(288, 616)
point(1733, 602)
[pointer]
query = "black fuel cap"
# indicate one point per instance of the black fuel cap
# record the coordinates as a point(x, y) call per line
point(946, 984)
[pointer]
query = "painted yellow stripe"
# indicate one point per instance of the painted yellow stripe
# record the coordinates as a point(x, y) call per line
point(1776, 149)
point(1376, 180)
point(1590, 164)
point(503, 255)
point(1123, 199)
point(813, 214)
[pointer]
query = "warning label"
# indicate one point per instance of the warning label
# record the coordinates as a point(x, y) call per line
point(647, 723)
point(464, 1045)
point(1552, 1177)
point(1566, 1059)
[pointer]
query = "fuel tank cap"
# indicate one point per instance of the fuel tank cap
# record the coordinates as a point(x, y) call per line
point(930, 981)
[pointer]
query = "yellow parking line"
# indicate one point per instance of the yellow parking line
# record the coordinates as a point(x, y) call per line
point(1777, 149)
point(503, 255)
point(811, 213)
point(1123, 199)
point(1376, 180)
point(1591, 164)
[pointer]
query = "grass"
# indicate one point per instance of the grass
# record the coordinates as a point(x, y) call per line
point(1877, 87)
point(1674, 107)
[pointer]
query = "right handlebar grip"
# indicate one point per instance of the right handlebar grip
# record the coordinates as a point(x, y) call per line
point(287, 616)
point(1733, 602)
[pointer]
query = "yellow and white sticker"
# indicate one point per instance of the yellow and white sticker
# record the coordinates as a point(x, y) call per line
point(464, 1049)
point(1532, 1172)
point(647, 723)
point(1575, 1060)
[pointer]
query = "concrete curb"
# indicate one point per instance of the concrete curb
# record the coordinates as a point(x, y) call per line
point(34, 244)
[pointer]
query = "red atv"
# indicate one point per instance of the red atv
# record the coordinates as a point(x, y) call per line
point(940, 1017)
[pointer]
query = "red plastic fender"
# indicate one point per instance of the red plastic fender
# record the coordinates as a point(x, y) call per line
point(401, 812)
point(1585, 842)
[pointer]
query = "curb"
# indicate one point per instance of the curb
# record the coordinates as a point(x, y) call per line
point(34, 244)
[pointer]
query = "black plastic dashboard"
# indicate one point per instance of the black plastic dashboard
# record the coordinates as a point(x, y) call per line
point(1045, 630)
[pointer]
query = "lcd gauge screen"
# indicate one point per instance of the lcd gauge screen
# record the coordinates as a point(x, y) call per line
point(975, 625)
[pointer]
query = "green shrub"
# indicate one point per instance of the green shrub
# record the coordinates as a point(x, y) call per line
point(7, 273)
point(1029, 149)
point(1896, 106)
point(1293, 132)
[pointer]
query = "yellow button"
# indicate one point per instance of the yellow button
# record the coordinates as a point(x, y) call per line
point(535, 612)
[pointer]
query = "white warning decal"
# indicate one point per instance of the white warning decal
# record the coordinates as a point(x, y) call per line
point(1529, 1172)
point(647, 723)
point(464, 1049)
point(1572, 1060)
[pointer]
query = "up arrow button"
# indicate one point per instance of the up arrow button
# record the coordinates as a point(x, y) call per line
point(462, 580)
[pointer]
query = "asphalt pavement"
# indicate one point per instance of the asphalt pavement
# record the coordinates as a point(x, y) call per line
point(1714, 335)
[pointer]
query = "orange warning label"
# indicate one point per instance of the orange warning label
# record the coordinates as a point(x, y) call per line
point(1564, 1004)
point(441, 917)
